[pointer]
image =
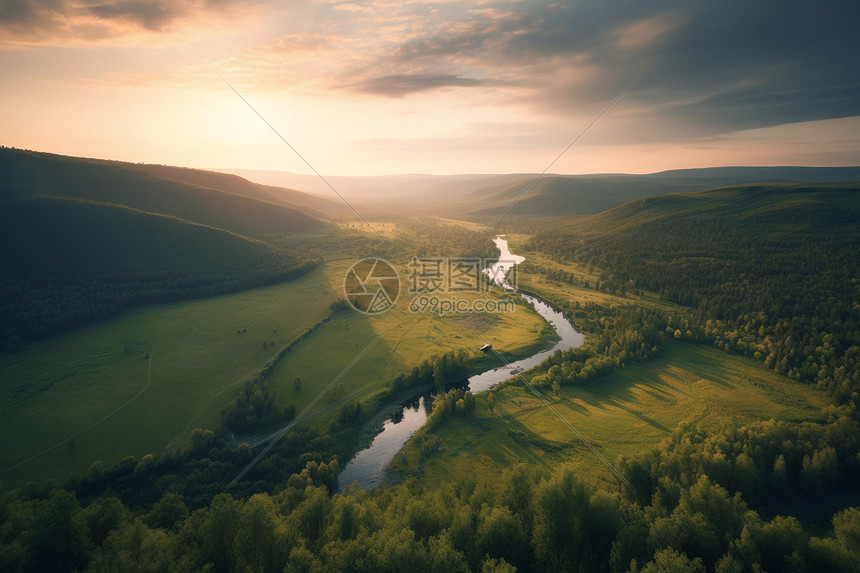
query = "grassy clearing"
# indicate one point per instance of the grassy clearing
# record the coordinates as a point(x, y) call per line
point(625, 412)
point(61, 386)
point(59, 393)
point(407, 338)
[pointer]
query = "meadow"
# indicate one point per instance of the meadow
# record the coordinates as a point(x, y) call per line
point(141, 382)
point(625, 412)
point(391, 343)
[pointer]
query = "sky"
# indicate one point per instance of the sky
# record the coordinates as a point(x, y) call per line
point(440, 87)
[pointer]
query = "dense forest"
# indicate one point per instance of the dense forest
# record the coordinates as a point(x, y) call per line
point(768, 272)
point(525, 519)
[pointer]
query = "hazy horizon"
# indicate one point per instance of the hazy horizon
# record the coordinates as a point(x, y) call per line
point(237, 170)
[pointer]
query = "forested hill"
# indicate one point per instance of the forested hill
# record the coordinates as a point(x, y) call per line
point(772, 271)
point(577, 195)
point(214, 199)
point(81, 240)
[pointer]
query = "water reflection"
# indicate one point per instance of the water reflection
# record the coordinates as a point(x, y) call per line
point(369, 465)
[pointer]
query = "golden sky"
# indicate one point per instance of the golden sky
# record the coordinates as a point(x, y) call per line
point(414, 86)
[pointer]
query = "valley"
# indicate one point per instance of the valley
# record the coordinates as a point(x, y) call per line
point(622, 414)
point(221, 364)
point(139, 383)
point(514, 286)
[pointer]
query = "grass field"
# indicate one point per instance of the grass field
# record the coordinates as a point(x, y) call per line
point(625, 412)
point(59, 387)
point(141, 382)
point(407, 338)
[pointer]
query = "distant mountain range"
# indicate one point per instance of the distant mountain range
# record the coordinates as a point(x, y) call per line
point(481, 196)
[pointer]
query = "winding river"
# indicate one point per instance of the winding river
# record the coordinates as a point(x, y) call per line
point(368, 467)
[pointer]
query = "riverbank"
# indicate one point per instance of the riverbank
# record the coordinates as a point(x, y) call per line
point(368, 466)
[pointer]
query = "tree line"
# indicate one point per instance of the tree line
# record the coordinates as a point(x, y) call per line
point(780, 286)
point(41, 304)
point(255, 406)
point(522, 519)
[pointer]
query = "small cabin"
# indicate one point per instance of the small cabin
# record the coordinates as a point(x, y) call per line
point(486, 348)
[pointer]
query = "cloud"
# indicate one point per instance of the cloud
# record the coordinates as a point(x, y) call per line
point(399, 85)
point(709, 66)
point(771, 64)
point(701, 68)
point(643, 34)
point(151, 15)
point(30, 17)
point(23, 12)
point(348, 7)
point(67, 22)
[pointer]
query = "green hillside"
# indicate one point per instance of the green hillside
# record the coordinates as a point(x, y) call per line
point(67, 262)
point(81, 240)
point(169, 191)
point(64, 235)
point(558, 195)
point(209, 179)
point(314, 205)
point(769, 270)
point(816, 208)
